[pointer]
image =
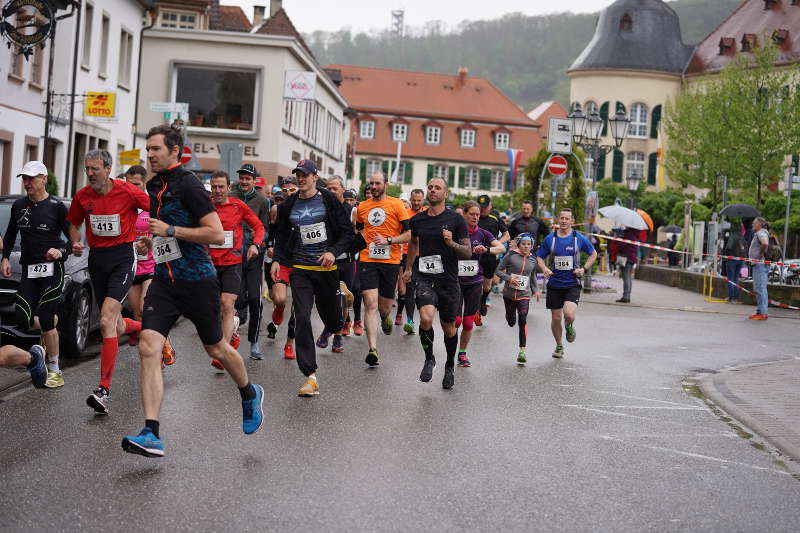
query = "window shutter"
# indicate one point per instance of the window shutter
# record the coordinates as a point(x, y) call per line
point(616, 172)
point(430, 172)
point(652, 168)
point(385, 167)
point(451, 176)
point(796, 164)
point(507, 182)
point(655, 122)
point(485, 179)
point(462, 173)
point(407, 177)
point(601, 167)
point(604, 116)
point(362, 169)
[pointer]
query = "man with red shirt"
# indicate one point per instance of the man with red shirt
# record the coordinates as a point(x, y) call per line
point(110, 208)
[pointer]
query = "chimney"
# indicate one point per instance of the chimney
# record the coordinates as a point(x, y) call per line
point(274, 7)
point(258, 15)
point(462, 76)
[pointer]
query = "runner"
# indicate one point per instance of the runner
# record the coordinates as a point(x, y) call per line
point(227, 257)
point(518, 270)
point(33, 360)
point(349, 201)
point(40, 220)
point(312, 229)
point(185, 283)
point(440, 237)
point(252, 267)
point(416, 199)
point(491, 223)
point(383, 222)
point(528, 223)
point(563, 283)
point(470, 276)
point(109, 207)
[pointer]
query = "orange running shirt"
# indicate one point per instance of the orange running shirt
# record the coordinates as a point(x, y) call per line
point(381, 218)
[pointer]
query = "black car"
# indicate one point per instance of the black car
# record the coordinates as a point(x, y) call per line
point(78, 315)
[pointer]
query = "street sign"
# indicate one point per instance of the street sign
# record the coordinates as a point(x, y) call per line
point(559, 136)
point(557, 165)
point(99, 105)
point(169, 107)
point(186, 156)
point(129, 157)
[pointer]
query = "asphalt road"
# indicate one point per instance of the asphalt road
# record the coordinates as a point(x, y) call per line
point(612, 437)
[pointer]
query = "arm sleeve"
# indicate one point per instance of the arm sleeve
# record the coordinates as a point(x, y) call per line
point(140, 198)
point(586, 246)
point(544, 249)
point(10, 235)
point(75, 215)
point(501, 269)
point(255, 224)
point(195, 199)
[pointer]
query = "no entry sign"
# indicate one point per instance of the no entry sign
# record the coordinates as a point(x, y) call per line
point(557, 165)
point(187, 155)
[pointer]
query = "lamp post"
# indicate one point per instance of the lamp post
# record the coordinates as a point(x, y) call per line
point(633, 186)
point(586, 132)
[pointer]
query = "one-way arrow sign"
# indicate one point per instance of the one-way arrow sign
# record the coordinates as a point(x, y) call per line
point(559, 136)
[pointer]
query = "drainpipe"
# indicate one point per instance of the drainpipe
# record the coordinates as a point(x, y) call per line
point(135, 124)
point(67, 178)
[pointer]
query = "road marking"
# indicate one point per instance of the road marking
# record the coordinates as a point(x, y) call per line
point(666, 407)
point(637, 397)
point(603, 411)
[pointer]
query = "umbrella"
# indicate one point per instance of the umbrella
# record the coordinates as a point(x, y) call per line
point(646, 217)
point(739, 211)
point(672, 228)
point(624, 216)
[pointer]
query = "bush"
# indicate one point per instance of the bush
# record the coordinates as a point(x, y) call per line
point(52, 184)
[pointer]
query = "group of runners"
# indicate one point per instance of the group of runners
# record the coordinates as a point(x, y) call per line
point(170, 247)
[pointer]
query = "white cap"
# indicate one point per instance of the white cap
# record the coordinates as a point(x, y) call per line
point(33, 168)
point(404, 196)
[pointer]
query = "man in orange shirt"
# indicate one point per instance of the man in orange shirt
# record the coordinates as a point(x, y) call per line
point(383, 221)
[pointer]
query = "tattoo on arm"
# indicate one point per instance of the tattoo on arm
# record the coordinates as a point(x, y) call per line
point(463, 248)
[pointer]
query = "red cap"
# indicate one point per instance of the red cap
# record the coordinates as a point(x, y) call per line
point(260, 182)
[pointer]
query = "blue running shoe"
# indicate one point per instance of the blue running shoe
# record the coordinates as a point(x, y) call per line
point(322, 341)
point(37, 368)
point(145, 443)
point(252, 413)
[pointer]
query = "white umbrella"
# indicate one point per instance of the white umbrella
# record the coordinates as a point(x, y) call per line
point(624, 216)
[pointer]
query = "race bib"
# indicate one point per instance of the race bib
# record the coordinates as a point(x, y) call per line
point(313, 233)
point(563, 262)
point(380, 251)
point(431, 264)
point(228, 241)
point(105, 225)
point(165, 249)
point(468, 267)
point(520, 282)
point(40, 270)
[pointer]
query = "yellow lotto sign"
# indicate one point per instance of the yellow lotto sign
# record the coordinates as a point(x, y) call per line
point(129, 157)
point(100, 105)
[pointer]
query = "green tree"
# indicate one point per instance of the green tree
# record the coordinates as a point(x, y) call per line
point(52, 184)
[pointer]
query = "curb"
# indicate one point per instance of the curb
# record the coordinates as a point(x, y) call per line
point(711, 386)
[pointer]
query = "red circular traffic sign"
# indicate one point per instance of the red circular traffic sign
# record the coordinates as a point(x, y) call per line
point(557, 165)
point(186, 156)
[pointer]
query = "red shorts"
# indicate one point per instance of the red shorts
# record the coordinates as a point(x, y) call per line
point(283, 275)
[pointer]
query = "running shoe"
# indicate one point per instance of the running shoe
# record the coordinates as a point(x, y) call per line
point(372, 357)
point(462, 359)
point(398, 319)
point(310, 388)
point(322, 341)
point(358, 328)
point(277, 314)
point(758, 316)
point(449, 377)
point(255, 351)
point(288, 351)
point(145, 443)
point(408, 327)
point(252, 411)
point(98, 400)
point(558, 353)
point(346, 328)
point(216, 363)
point(570, 329)
point(623, 301)
point(338, 346)
point(477, 319)
point(427, 370)
point(522, 358)
point(347, 294)
point(167, 354)
point(54, 380)
point(387, 325)
point(272, 330)
point(38, 368)
point(236, 340)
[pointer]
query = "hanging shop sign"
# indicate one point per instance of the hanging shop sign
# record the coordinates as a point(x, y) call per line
point(26, 24)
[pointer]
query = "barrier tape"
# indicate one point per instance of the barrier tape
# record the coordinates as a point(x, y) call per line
point(771, 302)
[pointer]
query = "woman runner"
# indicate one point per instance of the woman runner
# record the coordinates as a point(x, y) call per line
point(518, 270)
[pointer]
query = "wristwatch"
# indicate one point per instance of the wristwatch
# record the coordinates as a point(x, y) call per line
point(389, 240)
point(170, 231)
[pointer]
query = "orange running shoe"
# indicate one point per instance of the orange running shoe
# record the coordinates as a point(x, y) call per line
point(358, 328)
point(758, 316)
point(288, 351)
point(235, 340)
point(167, 354)
point(477, 319)
point(277, 314)
point(217, 364)
point(346, 329)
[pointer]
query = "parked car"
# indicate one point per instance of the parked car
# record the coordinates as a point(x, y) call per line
point(78, 315)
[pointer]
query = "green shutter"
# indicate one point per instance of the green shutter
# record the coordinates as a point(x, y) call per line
point(451, 176)
point(601, 167)
point(385, 167)
point(507, 182)
point(655, 122)
point(430, 172)
point(604, 116)
point(407, 177)
point(796, 164)
point(485, 179)
point(652, 168)
point(616, 172)
point(462, 173)
point(362, 169)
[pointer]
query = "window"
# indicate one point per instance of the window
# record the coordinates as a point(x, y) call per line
point(471, 178)
point(17, 63)
point(467, 138)
point(105, 27)
point(399, 132)
point(433, 134)
point(88, 18)
point(125, 59)
point(440, 171)
point(638, 126)
point(501, 140)
point(218, 97)
point(626, 23)
point(373, 166)
point(591, 107)
point(367, 129)
point(177, 19)
point(635, 166)
point(498, 180)
point(36, 66)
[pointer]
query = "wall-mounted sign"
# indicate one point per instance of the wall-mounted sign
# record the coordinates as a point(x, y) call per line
point(129, 157)
point(26, 23)
point(299, 85)
point(100, 105)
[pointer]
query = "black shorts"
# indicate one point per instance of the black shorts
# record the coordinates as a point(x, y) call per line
point(197, 300)
point(111, 271)
point(381, 276)
point(471, 298)
point(141, 278)
point(556, 297)
point(230, 278)
point(446, 297)
point(39, 297)
point(489, 264)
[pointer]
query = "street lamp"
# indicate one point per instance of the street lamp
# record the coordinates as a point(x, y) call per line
point(633, 185)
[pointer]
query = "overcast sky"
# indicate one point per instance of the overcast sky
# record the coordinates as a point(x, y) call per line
point(332, 15)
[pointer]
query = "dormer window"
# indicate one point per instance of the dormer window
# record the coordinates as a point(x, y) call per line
point(626, 23)
point(749, 42)
point(769, 4)
point(727, 46)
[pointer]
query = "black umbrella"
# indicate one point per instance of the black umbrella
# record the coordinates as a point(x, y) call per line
point(739, 211)
point(672, 228)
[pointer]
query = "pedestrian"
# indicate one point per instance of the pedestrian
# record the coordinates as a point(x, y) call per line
point(757, 252)
point(491, 222)
point(562, 249)
point(735, 247)
point(627, 258)
point(183, 224)
point(40, 220)
point(438, 240)
point(109, 207)
point(518, 270)
point(311, 230)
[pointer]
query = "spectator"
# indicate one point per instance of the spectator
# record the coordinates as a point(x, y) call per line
point(735, 246)
point(627, 257)
point(758, 247)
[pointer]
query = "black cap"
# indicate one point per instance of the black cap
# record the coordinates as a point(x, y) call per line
point(289, 179)
point(306, 166)
point(484, 200)
point(350, 194)
point(249, 169)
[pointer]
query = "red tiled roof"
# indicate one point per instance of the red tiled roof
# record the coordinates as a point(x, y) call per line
point(749, 18)
point(281, 24)
point(232, 18)
point(542, 114)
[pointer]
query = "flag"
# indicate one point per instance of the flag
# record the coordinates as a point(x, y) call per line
point(393, 179)
point(660, 169)
point(514, 159)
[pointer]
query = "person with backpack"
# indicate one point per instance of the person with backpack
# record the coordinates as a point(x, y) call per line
point(735, 246)
point(758, 249)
